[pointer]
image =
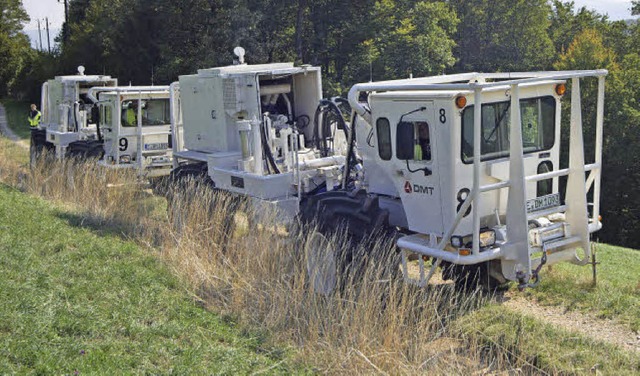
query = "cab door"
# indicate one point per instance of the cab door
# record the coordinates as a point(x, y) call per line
point(109, 128)
point(413, 164)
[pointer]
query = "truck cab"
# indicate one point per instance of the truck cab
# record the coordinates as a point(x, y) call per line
point(135, 124)
point(440, 158)
point(68, 124)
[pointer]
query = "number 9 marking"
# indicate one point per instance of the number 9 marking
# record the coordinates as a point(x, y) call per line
point(124, 144)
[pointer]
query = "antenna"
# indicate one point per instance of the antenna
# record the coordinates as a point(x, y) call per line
point(239, 52)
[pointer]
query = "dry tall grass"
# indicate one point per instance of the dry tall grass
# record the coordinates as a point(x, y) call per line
point(258, 274)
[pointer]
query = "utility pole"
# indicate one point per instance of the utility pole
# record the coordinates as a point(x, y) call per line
point(48, 36)
point(65, 34)
point(39, 34)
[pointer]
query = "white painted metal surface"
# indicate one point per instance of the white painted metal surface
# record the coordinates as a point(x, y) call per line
point(497, 188)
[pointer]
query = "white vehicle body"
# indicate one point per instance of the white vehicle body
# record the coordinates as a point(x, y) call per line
point(136, 128)
point(66, 110)
point(477, 184)
point(250, 125)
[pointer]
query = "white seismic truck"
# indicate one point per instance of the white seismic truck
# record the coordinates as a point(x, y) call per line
point(468, 168)
point(135, 127)
point(260, 131)
point(68, 126)
point(464, 170)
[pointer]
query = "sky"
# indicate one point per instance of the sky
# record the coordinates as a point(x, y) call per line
point(54, 9)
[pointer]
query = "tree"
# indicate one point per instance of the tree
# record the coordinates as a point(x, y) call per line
point(419, 40)
point(621, 129)
point(14, 45)
point(503, 35)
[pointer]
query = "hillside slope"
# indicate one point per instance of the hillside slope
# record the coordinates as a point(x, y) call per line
point(74, 301)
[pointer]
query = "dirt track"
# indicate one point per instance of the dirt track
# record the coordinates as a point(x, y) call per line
point(7, 132)
point(588, 325)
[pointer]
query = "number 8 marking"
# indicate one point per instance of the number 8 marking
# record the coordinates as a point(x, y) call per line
point(463, 194)
point(443, 116)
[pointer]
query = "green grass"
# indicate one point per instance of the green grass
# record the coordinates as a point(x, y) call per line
point(539, 348)
point(17, 112)
point(75, 301)
point(616, 296)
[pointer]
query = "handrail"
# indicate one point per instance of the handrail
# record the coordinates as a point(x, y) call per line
point(495, 186)
point(444, 83)
point(174, 111)
point(548, 175)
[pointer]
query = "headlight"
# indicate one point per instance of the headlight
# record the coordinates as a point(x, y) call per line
point(125, 159)
point(487, 239)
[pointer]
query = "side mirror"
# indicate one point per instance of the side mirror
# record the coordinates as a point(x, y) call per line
point(405, 141)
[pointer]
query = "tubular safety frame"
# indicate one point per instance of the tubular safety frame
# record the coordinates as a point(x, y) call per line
point(515, 253)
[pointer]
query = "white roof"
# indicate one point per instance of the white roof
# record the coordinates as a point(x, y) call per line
point(454, 93)
point(83, 78)
point(242, 69)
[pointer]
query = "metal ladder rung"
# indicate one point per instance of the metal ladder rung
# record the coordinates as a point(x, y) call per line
point(155, 134)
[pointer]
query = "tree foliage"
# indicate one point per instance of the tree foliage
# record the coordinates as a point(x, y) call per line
point(154, 41)
point(14, 45)
point(503, 35)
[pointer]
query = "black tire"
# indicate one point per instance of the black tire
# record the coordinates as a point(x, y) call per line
point(187, 173)
point(96, 149)
point(37, 145)
point(82, 150)
point(355, 221)
point(469, 278)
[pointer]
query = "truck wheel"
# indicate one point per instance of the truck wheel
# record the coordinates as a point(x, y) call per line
point(37, 145)
point(468, 278)
point(78, 150)
point(346, 228)
point(321, 263)
point(186, 174)
point(176, 183)
point(95, 150)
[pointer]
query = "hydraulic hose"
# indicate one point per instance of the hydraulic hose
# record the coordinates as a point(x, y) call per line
point(266, 150)
point(322, 120)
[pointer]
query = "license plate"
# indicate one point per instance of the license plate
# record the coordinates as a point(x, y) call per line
point(157, 146)
point(544, 202)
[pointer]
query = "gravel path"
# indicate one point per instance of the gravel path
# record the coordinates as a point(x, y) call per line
point(7, 132)
point(599, 329)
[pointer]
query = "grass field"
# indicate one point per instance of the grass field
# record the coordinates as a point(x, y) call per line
point(73, 301)
point(115, 278)
point(537, 347)
point(17, 112)
point(616, 296)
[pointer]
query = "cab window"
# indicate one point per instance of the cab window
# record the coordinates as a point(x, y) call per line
point(106, 115)
point(538, 128)
point(413, 141)
point(153, 111)
point(384, 139)
point(422, 146)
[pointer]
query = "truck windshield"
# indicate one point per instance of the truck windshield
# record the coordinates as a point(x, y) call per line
point(154, 112)
point(538, 128)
